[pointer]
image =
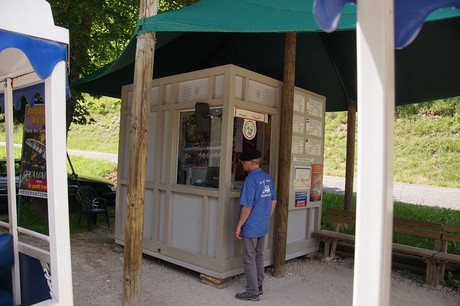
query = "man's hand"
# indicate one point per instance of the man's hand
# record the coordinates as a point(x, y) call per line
point(238, 232)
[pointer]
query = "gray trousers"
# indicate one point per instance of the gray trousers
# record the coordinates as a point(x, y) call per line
point(253, 264)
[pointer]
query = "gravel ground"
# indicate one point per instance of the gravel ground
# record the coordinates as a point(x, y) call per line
point(97, 264)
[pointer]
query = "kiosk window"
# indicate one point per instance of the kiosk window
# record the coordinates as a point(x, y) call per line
point(199, 149)
point(240, 144)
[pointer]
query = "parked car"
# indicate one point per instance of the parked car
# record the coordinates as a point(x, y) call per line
point(104, 188)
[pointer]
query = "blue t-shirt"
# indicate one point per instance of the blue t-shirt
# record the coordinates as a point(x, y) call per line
point(257, 193)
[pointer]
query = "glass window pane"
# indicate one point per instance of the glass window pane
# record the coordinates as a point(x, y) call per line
point(199, 149)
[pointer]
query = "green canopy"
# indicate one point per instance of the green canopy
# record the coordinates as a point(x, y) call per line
point(249, 33)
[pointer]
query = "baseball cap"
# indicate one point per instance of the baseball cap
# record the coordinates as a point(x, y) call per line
point(250, 155)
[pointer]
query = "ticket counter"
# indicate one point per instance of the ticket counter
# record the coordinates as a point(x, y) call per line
point(199, 124)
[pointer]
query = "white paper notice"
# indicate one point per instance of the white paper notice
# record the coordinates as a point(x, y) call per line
point(313, 147)
point(314, 127)
point(299, 103)
point(297, 144)
point(314, 107)
point(302, 160)
point(298, 124)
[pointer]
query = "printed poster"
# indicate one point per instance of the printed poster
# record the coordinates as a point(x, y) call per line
point(302, 177)
point(300, 199)
point(316, 182)
point(33, 164)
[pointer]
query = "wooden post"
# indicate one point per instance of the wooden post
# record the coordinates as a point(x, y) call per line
point(134, 226)
point(350, 163)
point(284, 171)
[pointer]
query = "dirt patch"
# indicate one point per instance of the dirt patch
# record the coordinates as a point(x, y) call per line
point(97, 264)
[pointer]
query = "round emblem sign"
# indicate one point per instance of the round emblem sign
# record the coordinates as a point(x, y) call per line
point(249, 129)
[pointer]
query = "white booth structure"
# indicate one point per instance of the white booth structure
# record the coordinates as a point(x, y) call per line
point(199, 124)
point(33, 58)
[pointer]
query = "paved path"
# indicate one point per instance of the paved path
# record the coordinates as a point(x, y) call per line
point(96, 155)
point(407, 193)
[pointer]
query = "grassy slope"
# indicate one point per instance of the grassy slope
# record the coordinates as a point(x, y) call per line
point(426, 148)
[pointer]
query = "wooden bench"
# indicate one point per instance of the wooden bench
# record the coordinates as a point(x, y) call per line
point(340, 219)
point(435, 258)
point(433, 231)
point(450, 237)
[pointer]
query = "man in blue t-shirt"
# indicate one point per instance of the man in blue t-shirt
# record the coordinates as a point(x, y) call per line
point(257, 201)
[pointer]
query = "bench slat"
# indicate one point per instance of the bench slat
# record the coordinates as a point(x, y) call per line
point(451, 237)
point(413, 250)
point(447, 257)
point(342, 220)
point(334, 235)
point(421, 232)
point(416, 224)
point(451, 233)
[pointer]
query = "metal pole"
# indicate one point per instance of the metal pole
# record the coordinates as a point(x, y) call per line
point(374, 213)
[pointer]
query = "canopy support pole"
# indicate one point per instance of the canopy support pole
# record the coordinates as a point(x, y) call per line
point(56, 170)
point(351, 130)
point(12, 208)
point(350, 159)
point(284, 170)
point(376, 97)
point(143, 71)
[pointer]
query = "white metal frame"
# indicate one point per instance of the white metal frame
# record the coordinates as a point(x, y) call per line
point(376, 103)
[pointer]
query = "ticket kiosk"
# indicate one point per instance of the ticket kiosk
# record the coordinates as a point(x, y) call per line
point(199, 124)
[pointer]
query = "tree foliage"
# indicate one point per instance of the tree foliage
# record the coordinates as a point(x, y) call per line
point(99, 31)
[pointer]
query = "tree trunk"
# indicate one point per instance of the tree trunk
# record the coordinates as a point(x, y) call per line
point(143, 71)
point(350, 164)
point(284, 171)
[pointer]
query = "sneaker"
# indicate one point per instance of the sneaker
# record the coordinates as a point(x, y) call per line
point(246, 296)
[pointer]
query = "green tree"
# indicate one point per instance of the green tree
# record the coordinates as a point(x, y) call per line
point(99, 31)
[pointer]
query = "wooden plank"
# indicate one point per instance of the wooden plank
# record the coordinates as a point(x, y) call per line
point(420, 232)
point(451, 233)
point(452, 229)
point(447, 257)
point(340, 212)
point(334, 235)
point(415, 223)
point(413, 250)
point(340, 219)
point(417, 228)
point(451, 237)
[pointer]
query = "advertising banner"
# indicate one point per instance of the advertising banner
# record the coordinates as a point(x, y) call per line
point(33, 163)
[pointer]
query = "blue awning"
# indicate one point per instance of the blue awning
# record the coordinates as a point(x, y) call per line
point(27, 92)
point(42, 54)
point(409, 15)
